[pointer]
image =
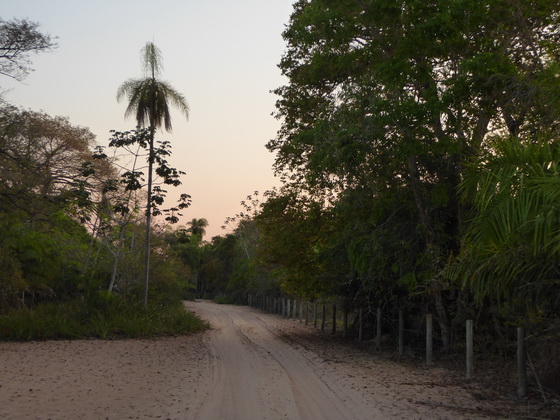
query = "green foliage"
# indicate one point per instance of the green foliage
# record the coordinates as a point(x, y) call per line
point(109, 316)
point(291, 240)
point(41, 262)
point(395, 120)
point(43, 165)
point(198, 227)
point(149, 98)
point(385, 105)
point(512, 247)
point(133, 180)
point(223, 299)
point(70, 231)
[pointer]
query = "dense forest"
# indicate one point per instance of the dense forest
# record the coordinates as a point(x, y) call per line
point(419, 156)
point(75, 218)
point(419, 153)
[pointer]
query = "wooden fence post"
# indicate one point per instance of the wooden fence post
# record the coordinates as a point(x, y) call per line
point(360, 324)
point(333, 331)
point(315, 315)
point(401, 331)
point(429, 339)
point(294, 309)
point(345, 322)
point(378, 329)
point(306, 313)
point(521, 363)
point(470, 350)
point(324, 318)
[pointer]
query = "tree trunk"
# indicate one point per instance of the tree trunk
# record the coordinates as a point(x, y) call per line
point(416, 185)
point(117, 256)
point(428, 235)
point(115, 267)
point(148, 218)
point(442, 317)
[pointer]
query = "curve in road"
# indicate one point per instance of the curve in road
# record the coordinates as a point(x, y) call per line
point(258, 376)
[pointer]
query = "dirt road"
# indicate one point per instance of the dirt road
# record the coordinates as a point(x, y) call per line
point(258, 376)
point(251, 365)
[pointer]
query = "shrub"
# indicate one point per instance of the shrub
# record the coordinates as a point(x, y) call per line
point(105, 317)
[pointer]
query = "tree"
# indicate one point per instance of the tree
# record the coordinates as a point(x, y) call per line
point(44, 163)
point(118, 204)
point(148, 101)
point(198, 227)
point(386, 95)
point(18, 39)
point(47, 193)
point(291, 230)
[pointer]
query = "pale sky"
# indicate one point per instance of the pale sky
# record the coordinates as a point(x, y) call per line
point(221, 54)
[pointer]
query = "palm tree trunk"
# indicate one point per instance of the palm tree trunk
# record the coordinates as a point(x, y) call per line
point(117, 256)
point(148, 219)
point(115, 268)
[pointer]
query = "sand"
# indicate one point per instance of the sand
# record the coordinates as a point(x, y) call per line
point(251, 365)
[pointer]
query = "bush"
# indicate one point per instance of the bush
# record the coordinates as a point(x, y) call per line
point(105, 317)
point(224, 300)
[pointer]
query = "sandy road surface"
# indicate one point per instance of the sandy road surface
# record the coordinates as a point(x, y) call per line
point(256, 375)
point(265, 367)
point(251, 365)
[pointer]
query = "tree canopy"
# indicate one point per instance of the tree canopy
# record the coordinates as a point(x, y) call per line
point(396, 99)
point(417, 150)
point(149, 97)
point(19, 38)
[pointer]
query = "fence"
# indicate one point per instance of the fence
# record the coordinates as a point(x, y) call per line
point(339, 316)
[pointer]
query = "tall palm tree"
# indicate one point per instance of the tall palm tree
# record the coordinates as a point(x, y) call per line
point(148, 100)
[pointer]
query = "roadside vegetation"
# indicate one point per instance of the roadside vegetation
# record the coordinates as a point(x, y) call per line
point(77, 243)
point(419, 151)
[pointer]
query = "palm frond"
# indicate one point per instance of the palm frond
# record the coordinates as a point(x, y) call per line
point(149, 98)
point(512, 245)
point(152, 60)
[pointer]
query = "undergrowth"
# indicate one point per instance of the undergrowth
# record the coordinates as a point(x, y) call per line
point(107, 317)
